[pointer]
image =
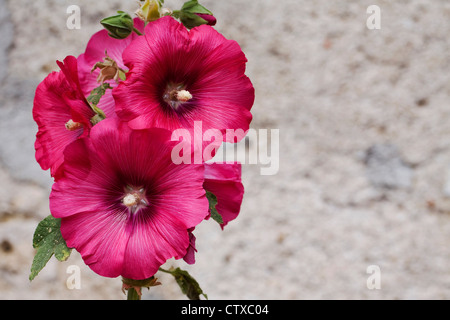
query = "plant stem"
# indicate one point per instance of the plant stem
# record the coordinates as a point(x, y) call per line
point(132, 294)
point(137, 31)
point(163, 270)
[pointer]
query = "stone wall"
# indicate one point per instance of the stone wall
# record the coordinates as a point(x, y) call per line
point(364, 152)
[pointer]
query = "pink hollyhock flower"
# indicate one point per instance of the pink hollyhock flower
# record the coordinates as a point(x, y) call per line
point(224, 181)
point(100, 43)
point(62, 114)
point(125, 206)
point(178, 76)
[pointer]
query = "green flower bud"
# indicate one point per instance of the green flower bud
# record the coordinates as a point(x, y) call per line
point(119, 26)
point(194, 7)
point(191, 20)
point(193, 14)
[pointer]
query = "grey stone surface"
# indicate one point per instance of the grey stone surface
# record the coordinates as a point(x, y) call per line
point(334, 89)
point(18, 130)
point(386, 168)
point(6, 38)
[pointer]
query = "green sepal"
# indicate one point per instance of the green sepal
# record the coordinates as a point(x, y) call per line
point(122, 76)
point(48, 241)
point(212, 199)
point(147, 283)
point(191, 20)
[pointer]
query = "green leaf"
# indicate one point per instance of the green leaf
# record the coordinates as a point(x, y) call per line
point(212, 207)
point(94, 99)
point(48, 241)
point(98, 93)
point(188, 285)
point(194, 7)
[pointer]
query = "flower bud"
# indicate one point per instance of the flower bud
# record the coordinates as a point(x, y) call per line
point(150, 10)
point(209, 18)
point(193, 14)
point(119, 26)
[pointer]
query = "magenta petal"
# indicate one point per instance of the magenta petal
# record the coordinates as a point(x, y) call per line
point(100, 237)
point(70, 70)
point(77, 191)
point(154, 240)
point(224, 181)
point(58, 100)
point(95, 52)
point(189, 258)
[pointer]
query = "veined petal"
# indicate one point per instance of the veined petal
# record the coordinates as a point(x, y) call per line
point(224, 181)
point(100, 237)
point(100, 43)
point(156, 237)
point(57, 101)
point(134, 237)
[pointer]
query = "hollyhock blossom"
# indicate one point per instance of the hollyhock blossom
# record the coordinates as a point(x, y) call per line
point(178, 76)
point(100, 43)
point(125, 206)
point(224, 181)
point(61, 113)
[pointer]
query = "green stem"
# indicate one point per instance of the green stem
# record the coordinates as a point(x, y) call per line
point(132, 294)
point(137, 31)
point(166, 271)
point(176, 14)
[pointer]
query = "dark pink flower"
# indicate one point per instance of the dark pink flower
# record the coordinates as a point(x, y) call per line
point(125, 206)
point(177, 77)
point(224, 181)
point(61, 113)
point(100, 43)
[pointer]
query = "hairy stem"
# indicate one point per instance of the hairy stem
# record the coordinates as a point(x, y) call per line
point(133, 295)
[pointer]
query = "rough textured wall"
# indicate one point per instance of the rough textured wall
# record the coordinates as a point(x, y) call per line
point(364, 152)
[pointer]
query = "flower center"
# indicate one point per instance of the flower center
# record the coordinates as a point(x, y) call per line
point(134, 198)
point(176, 94)
point(71, 125)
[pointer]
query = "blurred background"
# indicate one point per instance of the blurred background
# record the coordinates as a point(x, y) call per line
point(364, 152)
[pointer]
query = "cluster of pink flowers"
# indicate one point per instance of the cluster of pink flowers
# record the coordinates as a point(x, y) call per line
point(123, 203)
